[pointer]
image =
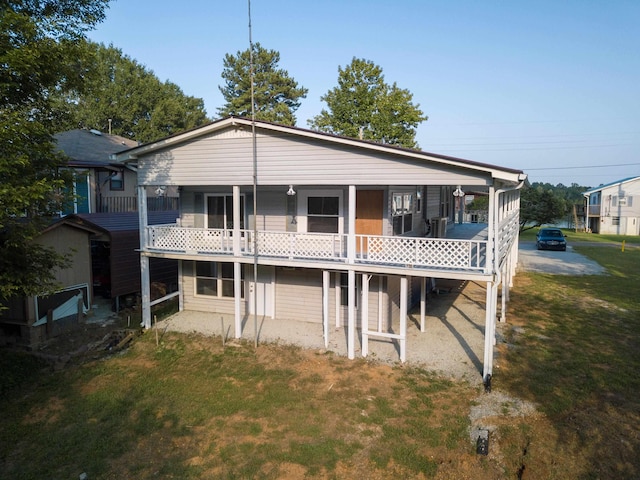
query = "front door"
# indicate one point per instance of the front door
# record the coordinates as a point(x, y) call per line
point(369, 209)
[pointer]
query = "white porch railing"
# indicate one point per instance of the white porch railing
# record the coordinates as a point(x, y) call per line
point(452, 254)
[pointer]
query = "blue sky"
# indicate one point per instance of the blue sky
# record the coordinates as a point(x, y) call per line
point(550, 87)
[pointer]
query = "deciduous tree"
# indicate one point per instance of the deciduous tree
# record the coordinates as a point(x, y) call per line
point(539, 206)
point(42, 51)
point(276, 94)
point(124, 96)
point(364, 106)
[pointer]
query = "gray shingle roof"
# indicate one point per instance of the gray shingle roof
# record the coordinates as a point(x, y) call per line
point(91, 148)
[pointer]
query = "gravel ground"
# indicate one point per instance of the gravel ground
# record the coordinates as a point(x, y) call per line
point(452, 344)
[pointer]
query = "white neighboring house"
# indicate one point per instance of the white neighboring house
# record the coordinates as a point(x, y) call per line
point(614, 208)
point(339, 231)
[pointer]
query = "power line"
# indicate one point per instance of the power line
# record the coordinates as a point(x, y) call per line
point(585, 166)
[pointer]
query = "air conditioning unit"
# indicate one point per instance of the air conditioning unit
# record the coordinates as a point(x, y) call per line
point(439, 227)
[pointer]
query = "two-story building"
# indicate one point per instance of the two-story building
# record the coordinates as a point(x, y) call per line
point(286, 223)
point(611, 208)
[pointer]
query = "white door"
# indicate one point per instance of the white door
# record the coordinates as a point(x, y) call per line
point(263, 288)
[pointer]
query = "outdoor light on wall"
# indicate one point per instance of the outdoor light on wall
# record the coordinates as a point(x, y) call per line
point(291, 192)
point(458, 192)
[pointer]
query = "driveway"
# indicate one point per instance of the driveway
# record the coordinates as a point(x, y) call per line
point(559, 263)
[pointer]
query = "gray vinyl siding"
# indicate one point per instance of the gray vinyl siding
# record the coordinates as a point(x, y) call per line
point(226, 158)
point(299, 294)
point(393, 291)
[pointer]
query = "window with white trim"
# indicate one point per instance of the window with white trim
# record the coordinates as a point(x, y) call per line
point(323, 214)
point(220, 211)
point(402, 212)
point(215, 279)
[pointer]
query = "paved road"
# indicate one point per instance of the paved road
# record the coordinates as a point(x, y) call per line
point(558, 263)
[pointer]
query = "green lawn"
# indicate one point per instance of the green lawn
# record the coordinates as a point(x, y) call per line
point(190, 407)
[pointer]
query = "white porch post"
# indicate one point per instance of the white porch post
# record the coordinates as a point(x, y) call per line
point(423, 302)
point(145, 280)
point(491, 230)
point(351, 236)
point(237, 268)
point(488, 334)
point(504, 288)
point(145, 286)
point(237, 294)
point(351, 337)
point(326, 283)
point(142, 217)
point(403, 318)
point(338, 299)
point(180, 291)
point(365, 313)
point(236, 220)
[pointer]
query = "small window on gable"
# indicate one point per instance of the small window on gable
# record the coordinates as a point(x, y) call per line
point(116, 181)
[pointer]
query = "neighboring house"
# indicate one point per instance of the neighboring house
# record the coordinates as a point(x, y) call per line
point(99, 185)
point(614, 208)
point(30, 321)
point(334, 227)
point(105, 264)
point(106, 197)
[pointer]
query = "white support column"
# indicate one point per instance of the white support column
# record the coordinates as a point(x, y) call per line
point(364, 308)
point(142, 217)
point(351, 337)
point(423, 302)
point(326, 284)
point(504, 290)
point(237, 294)
point(351, 236)
point(145, 280)
point(338, 299)
point(145, 286)
point(236, 220)
point(491, 227)
point(403, 318)
point(381, 280)
point(488, 334)
point(180, 290)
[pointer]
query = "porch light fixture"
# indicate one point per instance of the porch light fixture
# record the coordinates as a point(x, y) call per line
point(458, 192)
point(291, 192)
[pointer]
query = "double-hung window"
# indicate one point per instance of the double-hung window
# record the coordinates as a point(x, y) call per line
point(323, 214)
point(215, 279)
point(402, 213)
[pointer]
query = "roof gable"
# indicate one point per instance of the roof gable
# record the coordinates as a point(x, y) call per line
point(609, 185)
point(131, 155)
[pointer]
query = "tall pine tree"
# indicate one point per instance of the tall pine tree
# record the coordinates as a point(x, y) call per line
point(276, 95)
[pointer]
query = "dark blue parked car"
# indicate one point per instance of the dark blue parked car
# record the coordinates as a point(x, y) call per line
point(551, 239)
